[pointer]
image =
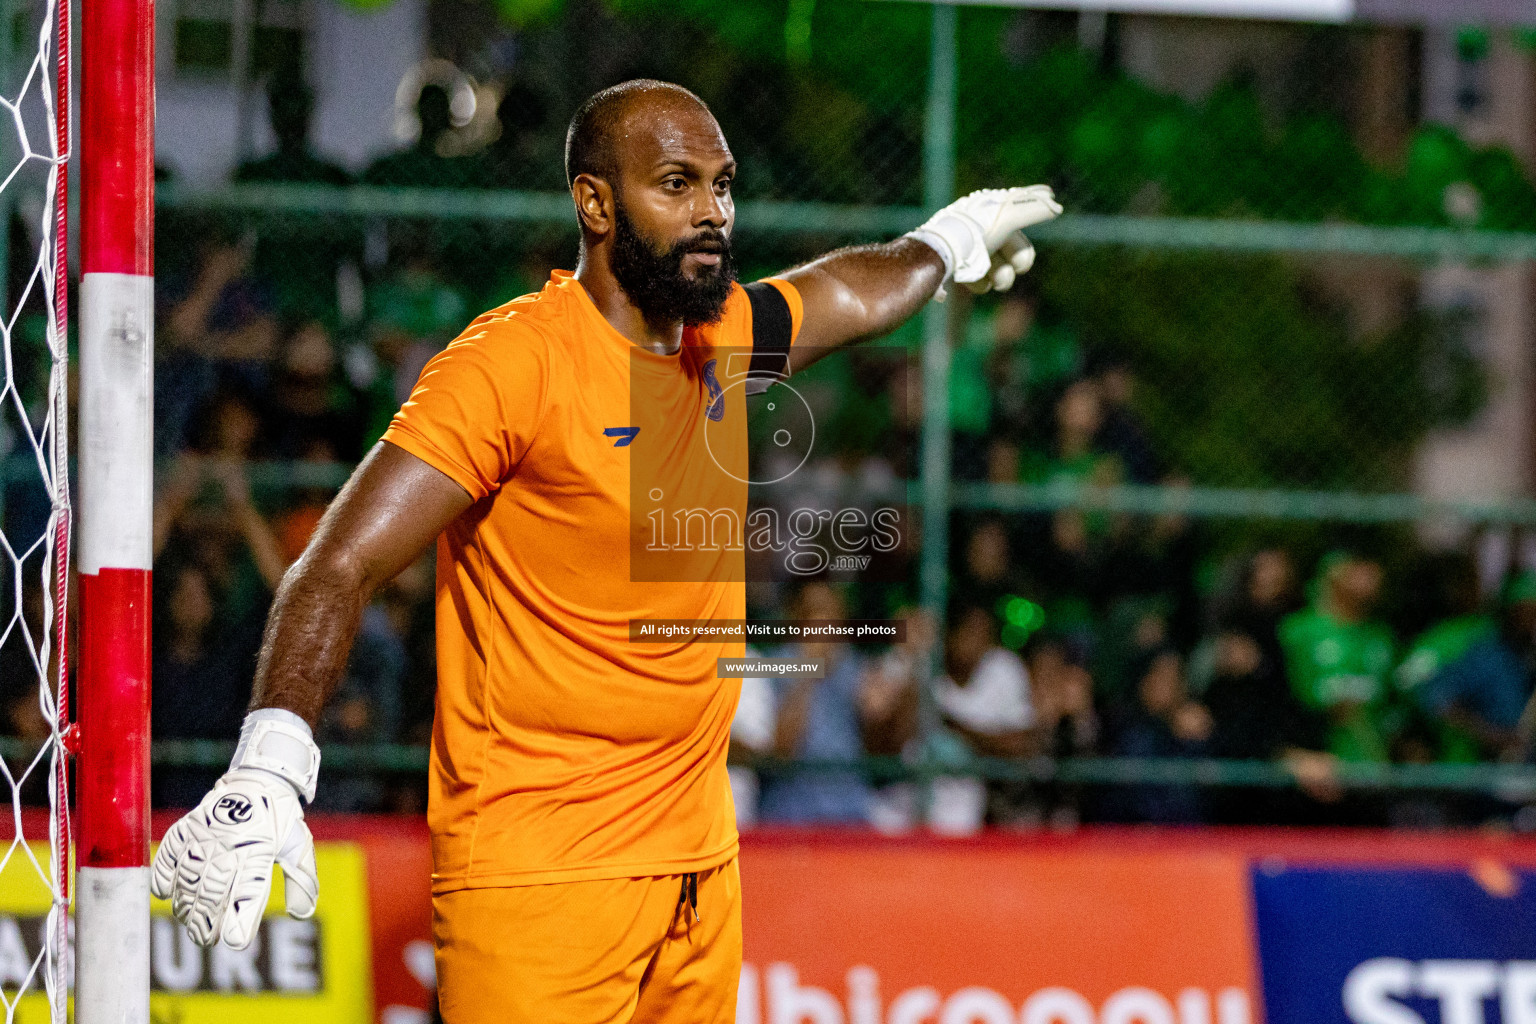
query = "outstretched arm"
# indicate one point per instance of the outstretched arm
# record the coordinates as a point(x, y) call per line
point(862, 292)
point(865, 291)
point(392, 508)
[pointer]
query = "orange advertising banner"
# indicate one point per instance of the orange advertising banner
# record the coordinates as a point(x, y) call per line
point(1101, 925)
point(936, 933)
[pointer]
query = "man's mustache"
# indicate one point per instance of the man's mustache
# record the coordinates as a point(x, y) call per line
point(709, 241)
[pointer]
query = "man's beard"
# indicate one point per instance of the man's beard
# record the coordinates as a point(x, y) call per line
point(653, 278)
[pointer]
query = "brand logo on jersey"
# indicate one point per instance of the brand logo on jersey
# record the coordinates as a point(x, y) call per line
point(232, 809)
point(625, 435)
point(716, 410)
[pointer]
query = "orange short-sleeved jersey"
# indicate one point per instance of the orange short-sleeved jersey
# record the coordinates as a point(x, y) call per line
point(562, 751)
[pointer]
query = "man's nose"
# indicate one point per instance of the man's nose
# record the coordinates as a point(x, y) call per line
point(712, 210)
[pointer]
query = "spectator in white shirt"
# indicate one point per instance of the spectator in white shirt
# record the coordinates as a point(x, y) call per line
point(752, 734)
point(985, 700)
point(985, 696)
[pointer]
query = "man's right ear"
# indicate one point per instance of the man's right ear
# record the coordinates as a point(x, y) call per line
point(594, 203)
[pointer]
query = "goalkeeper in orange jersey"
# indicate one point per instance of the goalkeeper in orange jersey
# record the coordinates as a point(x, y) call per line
point(583, 839)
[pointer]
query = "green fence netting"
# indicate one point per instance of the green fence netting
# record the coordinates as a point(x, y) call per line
point(1249, 333)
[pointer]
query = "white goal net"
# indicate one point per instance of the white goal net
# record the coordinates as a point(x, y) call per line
point(35, 968)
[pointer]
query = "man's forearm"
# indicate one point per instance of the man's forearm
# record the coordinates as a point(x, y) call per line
point(863, 292)
point(309, 634)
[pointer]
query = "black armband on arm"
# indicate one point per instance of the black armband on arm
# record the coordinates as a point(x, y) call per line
point(772, 334)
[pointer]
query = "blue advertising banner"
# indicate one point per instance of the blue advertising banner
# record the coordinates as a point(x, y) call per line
point(1379, 945)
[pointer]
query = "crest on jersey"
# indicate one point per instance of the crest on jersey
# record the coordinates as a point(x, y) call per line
point(716, 410)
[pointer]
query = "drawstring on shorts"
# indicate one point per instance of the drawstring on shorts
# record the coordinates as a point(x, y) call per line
point(690, 894)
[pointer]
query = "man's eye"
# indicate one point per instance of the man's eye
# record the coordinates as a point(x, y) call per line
point(723, 185)
point(674, 184)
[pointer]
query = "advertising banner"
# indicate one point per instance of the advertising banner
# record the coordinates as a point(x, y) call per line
point(962, 934)
point(1383, 945)
point(1099, 926)
point(316, 970)
point(1102, 926)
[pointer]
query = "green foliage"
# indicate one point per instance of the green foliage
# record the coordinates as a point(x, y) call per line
point(859, 46)
point(524, 12)
point(749, 27)
point(839, 120)
point(1116, 145)
point(1111, 143)
point(1251, 381)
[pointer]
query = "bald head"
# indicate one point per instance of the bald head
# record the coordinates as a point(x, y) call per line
point(651, 179)
point(644, 105)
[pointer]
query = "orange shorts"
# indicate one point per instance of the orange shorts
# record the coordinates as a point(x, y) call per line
point(609, 951)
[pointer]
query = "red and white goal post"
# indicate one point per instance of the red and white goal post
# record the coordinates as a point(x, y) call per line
point(109, 736)
point(116, 470)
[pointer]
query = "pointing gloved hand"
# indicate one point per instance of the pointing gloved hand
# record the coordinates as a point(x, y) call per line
point(980, 237)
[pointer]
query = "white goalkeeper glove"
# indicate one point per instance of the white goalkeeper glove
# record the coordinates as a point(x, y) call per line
point(980, 237)
point(215, 864)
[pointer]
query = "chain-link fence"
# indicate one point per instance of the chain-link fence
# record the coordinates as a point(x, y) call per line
point(1234, 484)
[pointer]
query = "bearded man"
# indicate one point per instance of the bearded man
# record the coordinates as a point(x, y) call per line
point(584, 843)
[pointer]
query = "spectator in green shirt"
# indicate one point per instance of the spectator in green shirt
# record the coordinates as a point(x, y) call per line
point(1436, 649)
point(413, 313)
point(1028, 360)
point(1338, 659)
point(970, 401)
point(1472, 677)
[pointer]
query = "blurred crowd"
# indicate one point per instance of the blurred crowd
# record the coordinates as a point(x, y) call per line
point(1075, 633)
point(282, 353)
point(1308, 677)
